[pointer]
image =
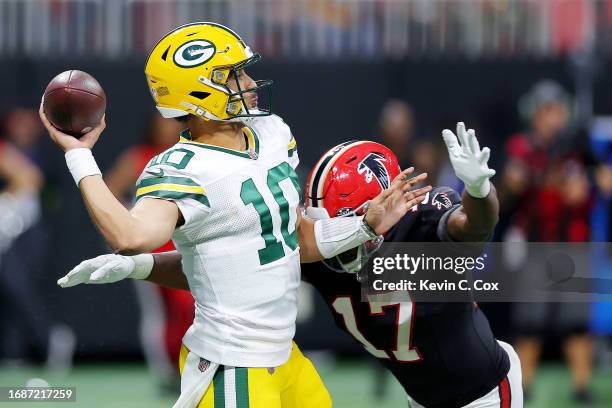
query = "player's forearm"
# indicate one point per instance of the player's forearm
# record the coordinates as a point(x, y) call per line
point(476, 218)
point(326, 238)
point(167, 271)
point(309, 252)
point(119, 228)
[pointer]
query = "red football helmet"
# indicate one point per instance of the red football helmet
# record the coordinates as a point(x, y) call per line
point(343, 182)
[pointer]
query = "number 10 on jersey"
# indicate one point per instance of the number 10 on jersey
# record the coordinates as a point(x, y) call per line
point(250, 195)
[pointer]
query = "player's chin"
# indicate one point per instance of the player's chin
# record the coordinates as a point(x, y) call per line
point(252, 101)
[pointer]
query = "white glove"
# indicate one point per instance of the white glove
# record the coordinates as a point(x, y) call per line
point(469, 161)
point(108, 269)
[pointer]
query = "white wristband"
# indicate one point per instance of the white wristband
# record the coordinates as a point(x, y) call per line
point(81, 164)
point(337, 235)
point(143, 265)
point(480, 191)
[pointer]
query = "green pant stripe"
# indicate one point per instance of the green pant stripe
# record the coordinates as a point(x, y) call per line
point(219, 387)
point(242, 388)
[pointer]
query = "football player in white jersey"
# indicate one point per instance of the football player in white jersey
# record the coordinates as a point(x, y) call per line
point(227, 194)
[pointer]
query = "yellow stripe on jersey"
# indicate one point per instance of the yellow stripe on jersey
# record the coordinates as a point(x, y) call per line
point(292, 144)
point(170, 187)
point(292, 147)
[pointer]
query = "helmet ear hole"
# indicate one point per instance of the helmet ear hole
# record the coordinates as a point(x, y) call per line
point(165, 54)
point(200, 94)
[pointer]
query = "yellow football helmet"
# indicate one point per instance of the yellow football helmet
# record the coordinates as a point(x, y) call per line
point(188, 69)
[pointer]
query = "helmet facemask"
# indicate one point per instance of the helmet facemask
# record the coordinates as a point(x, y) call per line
point(237, 106)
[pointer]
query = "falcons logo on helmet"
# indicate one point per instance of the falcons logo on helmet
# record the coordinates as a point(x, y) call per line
point(373, 167)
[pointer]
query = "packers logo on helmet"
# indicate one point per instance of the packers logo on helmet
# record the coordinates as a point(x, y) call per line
point(188, 72)
point(194, 53)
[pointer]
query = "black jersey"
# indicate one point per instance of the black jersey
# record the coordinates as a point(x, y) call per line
point(443, 354)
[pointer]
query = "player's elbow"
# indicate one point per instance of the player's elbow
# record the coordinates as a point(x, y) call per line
point(128, 245)
point(132, 236)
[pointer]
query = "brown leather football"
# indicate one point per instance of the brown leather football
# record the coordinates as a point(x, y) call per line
point(74, 102)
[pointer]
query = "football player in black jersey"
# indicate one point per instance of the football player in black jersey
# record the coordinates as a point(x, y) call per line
point(443, 354)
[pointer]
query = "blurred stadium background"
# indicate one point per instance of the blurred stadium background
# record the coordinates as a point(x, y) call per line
point(395, 71)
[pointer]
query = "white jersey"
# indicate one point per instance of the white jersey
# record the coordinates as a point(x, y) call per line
point(239, 241)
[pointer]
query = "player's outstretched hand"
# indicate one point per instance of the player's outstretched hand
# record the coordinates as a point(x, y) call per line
point(386, 209)
point(469, 161)
point(67, 142)
point(102, 269)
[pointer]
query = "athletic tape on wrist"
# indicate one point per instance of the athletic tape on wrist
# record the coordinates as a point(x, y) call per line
point(81, 164)
point(337, 235)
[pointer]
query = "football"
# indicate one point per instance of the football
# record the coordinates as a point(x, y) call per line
point(74, 102)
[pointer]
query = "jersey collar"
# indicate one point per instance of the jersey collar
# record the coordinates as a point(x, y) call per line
point(252, 151)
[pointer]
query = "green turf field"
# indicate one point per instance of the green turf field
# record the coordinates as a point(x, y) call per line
point(350, 383)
